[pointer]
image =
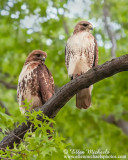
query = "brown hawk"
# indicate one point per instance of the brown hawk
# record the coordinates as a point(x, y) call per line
point(81, 54)
point(36, 84)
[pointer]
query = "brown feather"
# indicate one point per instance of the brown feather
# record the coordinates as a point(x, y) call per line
point(83, 98)
point(95, 54)
point(36, 83)
point(81, 54)
point(46, 83)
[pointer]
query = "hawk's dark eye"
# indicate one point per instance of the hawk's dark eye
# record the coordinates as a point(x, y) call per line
point(38, 55)
point(85, 24)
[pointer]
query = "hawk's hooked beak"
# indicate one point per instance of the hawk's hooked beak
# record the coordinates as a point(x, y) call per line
point(91, 27)
point(42, 59)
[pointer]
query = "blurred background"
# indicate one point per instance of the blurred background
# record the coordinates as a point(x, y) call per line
point(46, 25)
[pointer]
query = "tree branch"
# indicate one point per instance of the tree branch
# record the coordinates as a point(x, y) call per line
point(59, 99)
point(109, 30)
point(3, 106)
point(65, 27)
point(119, 123)
point(8, 85)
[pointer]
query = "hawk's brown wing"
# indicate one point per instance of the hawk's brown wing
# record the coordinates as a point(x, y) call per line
point(46, 83)
point(95, 53)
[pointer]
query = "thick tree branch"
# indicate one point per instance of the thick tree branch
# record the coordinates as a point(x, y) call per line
point(65, 93)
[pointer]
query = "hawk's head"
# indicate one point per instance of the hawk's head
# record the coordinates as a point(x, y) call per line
point(37, 55)
point(83, 26)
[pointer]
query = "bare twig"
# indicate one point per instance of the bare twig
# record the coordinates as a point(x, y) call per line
point(119, 123)
point(3, 106)
point(8, 85)
point(109, 30)
point(59, 99)
point(65, 27)
point(6, 158)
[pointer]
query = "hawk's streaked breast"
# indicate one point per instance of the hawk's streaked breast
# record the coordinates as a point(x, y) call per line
point(36, 84)
point(80, 53)
point(28, 86)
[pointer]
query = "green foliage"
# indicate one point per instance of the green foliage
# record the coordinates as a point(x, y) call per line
point(40, 144)
point(27, 25)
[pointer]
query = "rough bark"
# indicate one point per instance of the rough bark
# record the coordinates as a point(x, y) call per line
point(65, 93)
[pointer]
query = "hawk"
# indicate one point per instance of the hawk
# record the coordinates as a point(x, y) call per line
point(81, 54)
point(35, 84)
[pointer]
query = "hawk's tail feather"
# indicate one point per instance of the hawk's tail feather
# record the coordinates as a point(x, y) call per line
point(83, 98)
